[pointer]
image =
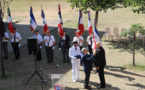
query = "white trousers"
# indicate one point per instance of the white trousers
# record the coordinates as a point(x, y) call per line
point(75, 69)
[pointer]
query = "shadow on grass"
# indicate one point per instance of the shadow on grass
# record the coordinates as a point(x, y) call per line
point(140, 48)
point(108, 86)
point(122, 70)
point(137, 85)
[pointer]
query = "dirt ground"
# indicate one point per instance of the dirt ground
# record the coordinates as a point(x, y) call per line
point(117, 76)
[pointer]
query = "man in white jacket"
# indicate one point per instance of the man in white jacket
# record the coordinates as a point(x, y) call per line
point(75, 55)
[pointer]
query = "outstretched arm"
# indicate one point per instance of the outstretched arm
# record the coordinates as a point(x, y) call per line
point(90, 58)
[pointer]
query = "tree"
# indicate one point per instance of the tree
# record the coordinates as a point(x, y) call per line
point(132, 31)
point(97, 5)
point(3, 4)
point(139, 5)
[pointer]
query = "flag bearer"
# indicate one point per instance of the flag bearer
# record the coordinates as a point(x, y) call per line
point(49, 41)
point(89, 43)
point(5, 45)
point(16, 40)
point(40, 41)
point(79, 39)
point(64, 46)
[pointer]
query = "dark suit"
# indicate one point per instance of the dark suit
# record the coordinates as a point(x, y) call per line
point(100, 61)
point(87, 65)
point(64, 45)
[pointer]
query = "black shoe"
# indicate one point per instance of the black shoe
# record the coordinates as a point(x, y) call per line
point(100, 86)
point(88, 87)
point(5, 57)
point(38, 60)
point(17, 58)
point(96, 71)
point(67, 61)
point(48, 61)
point(63, 61)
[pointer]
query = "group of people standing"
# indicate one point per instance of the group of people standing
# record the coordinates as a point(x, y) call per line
point(96, 56)
point(15, 42)
point(78, 54)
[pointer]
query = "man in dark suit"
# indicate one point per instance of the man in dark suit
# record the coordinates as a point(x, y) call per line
point(100, 63)
point(64, 46)
point(87, 65)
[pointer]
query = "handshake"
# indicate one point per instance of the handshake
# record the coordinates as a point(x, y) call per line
point(78, 56)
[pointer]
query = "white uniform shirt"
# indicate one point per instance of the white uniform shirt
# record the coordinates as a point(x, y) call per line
point(73, 52)
point(78, 40)
point(17, 37)
point(6, 36)
point(89, 41)
point(64, 37)
point(49, 39)
point(39, 37)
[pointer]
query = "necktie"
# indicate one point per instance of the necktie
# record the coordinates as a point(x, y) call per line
point(91, 40)
point(79, 41)
point(14, 38)
point(75, 48)
point(48, 41)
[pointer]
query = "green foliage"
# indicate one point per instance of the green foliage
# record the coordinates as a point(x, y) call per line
point(138, 67)
point(104, 5)
point(134, 28)
point(140, 4)
point(96, 5)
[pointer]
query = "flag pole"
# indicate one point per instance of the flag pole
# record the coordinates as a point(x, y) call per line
point(58, 2)
point(30, 3)
point(41, 6)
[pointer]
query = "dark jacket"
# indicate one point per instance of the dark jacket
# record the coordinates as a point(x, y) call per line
point(87, 62)
point(64, 43)
point(100, 60)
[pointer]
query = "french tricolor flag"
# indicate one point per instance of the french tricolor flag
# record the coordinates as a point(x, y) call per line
point(80, 30)
point(33, 24)
point(96, 35)
point(89, 24)
point(60, 23)
point(10, 24)
point(45, 28)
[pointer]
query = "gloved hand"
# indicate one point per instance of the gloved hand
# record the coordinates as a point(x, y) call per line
point(19, 45)
point(78, 56)
point(40, 46)
point(60, 49)
point(53, 47)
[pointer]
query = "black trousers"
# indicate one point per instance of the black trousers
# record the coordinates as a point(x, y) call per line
point(65, 53)
point(5, 49)
point(87, 78)
point(81, 47)
point(49, 53)
point(101, 76)
point(80, 59)
point(38, 55)
point(90, 49)
point(15, 47)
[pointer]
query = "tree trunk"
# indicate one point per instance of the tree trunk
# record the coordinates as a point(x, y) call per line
point(96, 17)
point(134, 40)
point(2, 63)
point(1, 38)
